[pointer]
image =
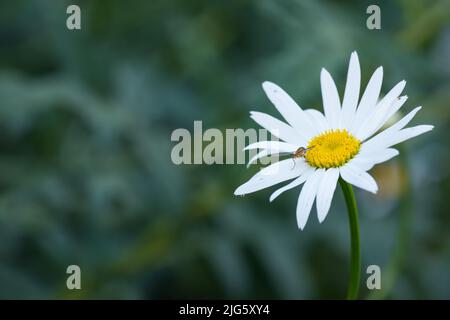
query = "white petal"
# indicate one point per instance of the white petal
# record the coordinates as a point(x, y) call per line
point(306, 198)
point(351, 95)
point(262, 154)
point(272, 145)
point(273, 174)
point(318, 120)
point(330, 97)
point(378, 156)
point(277, 128)
point(369, 98)
point(382, 115)
point(325, 193)
point(375, 119)
point(305, 175)
point(289, 109)
point(406, 134)
point(396, 105)
point(358, 177)
point(368, 159)
point(363, 164)
point(377, 142)
point(385, 114)
point(259, 155)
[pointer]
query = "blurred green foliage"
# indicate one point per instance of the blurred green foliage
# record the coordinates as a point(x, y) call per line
point(85, 170)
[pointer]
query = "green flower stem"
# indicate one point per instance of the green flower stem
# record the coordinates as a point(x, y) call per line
point(355, 258)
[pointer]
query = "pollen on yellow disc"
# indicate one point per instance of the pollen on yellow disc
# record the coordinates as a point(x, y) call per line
point(332, 149)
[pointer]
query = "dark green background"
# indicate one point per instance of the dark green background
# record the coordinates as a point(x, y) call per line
point(85, 171)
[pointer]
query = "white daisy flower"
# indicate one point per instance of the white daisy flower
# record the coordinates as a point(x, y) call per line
point(342, 142)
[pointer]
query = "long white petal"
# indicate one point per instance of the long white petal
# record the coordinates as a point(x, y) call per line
point(368, 159)
point(378, 156)
point(325, 193)
point(330, 97)
point(369, 98)
point(363, 164)
point(382, 114)
point(262, 154)
point(306, 198)
point(358, 177)
point(305, 175)
point(272, 175)
point(275, 145)
point(277, 128)
point(289, 109)
point(396, 105)
point(376, 142)
point(351, 95)
point(259, 155)
point(406, 134)
point(380, 111)
point(318, 120)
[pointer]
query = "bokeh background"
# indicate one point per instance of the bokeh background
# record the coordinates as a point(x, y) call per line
point(85, 171)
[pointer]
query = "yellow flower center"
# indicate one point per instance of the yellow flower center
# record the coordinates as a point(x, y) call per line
point(332, 149)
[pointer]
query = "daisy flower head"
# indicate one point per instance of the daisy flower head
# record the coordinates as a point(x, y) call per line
point(343, 142)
